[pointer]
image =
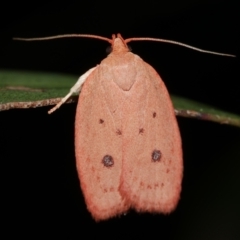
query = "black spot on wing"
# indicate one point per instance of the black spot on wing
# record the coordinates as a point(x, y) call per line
point(141, 130)
point(101, 121)
point(156, 155)
point(108, 161)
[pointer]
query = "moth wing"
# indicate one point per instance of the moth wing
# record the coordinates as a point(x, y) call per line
point(96, 138)
point(152, 152)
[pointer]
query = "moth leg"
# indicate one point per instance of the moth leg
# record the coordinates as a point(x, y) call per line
point(75, 89)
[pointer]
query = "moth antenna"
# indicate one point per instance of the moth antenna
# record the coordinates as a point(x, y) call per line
point(177, 43)
point(64, 36)
point(126, 41)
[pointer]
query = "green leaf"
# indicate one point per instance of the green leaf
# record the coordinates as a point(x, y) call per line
point(189, 108)
point(24, 86)
point(20, 89)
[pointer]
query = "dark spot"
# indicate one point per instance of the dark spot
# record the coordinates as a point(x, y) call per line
point(167, 170)
point(141, 184)
point(156, 155)
point(141, 130)
point(101, 121)
point(93, 169)
point(111, 189)
point(98, 178)
point(156, 185)
point(109, 49)
point(105, 190)
point(162, 184)
point(154, 114)
point(119, 132)
point(107, 161)
point(149, 187)
point(129, 48)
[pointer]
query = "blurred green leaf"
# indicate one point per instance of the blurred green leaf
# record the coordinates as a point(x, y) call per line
point(189, 108)
point(21, 86)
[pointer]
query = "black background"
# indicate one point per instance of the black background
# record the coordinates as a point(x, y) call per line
point(41, 193)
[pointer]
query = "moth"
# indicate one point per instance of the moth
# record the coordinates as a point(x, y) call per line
point(127, 141)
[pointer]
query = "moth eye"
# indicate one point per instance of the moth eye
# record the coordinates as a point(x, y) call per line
point(129, 48)
point(109, 49)
point(156, 155)
point(107, 161)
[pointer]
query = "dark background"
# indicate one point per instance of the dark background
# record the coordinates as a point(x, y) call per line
point(40, 191)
